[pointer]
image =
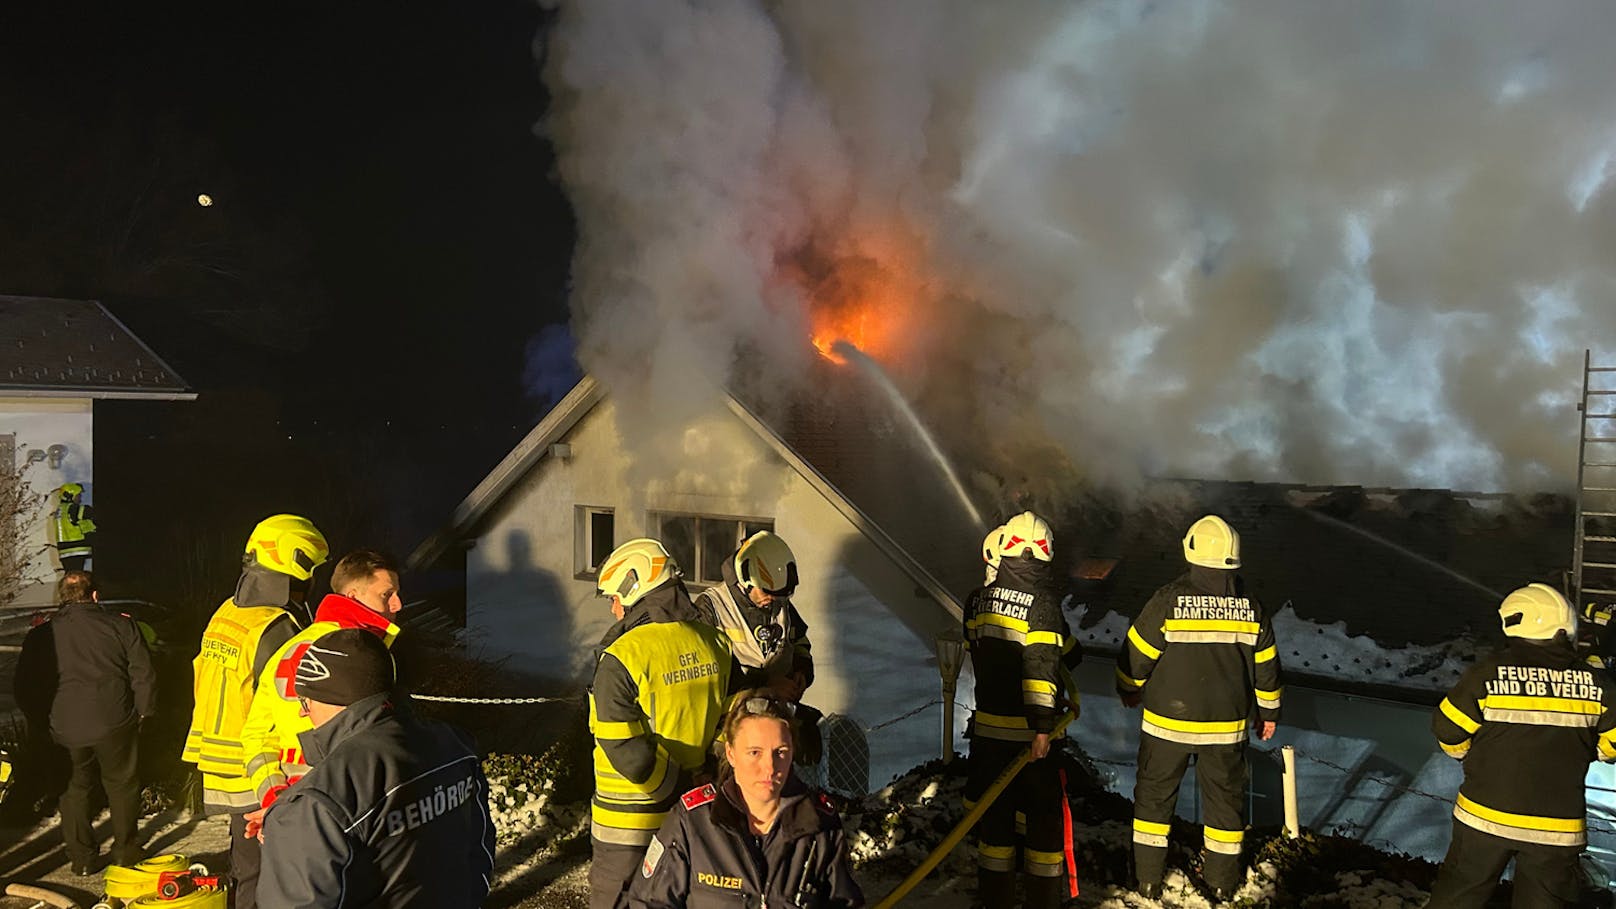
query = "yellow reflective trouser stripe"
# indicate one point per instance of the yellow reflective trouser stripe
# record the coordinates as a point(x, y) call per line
point(996, 851)
point(1045, 858)
point(1228, 625)
point(1526, 828)
point(1265, 654)
point(1143, 645)
point(1043, 864)
point(995, 858)
point(1045, 637)
point(1459, 717)
point(1150, 833)
point(632, 729)
point(1456, 751)
point(1224, 836)
point(1128, 682)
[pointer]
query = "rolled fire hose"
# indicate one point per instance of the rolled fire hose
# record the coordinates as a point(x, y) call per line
point(50, 897)
point(196, 899)
point(965, 823)
point(128, 882)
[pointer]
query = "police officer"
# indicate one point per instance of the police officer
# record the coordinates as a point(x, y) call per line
point(1526, 722)
point(759, 837)
point(767, 636)
point(654, 708)
point(74, 528)
point(246, 630)
point(1021, 654)
point(1202, 658)
point(394, 813)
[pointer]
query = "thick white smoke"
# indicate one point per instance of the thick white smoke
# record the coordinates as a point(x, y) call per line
point(1329, 242)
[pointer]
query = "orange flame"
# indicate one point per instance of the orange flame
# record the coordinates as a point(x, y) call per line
point(864, 298)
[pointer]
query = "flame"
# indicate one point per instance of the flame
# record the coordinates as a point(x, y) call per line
point(864, 296)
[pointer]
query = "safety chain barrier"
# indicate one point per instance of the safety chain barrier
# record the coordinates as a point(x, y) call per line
point(446, 699)
point(898, 719)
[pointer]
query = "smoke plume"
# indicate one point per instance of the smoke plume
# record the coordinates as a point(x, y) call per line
point(1353, 243)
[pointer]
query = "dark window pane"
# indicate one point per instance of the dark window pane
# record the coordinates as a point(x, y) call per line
point(678, 535)
point(600, 537)
point(718, 543)
point(756, 527)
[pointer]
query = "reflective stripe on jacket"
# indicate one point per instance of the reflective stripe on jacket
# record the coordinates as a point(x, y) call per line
point(1526, 722)
point(1204, 657)
point(236, 646)
point(654, 710)
point(73, 525)
point(271, 753)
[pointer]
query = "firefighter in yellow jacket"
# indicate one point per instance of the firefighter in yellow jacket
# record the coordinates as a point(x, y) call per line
point(1202, 658)
point(73, 530)
point(266, 610)
point(366, 585)
point(1021, 654)
point(1526, 722)
point(654, 708)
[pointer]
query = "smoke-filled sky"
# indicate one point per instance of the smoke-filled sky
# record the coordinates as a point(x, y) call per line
point(1323, 242)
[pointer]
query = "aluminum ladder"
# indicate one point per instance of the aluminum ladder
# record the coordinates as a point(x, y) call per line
point(1593, 561)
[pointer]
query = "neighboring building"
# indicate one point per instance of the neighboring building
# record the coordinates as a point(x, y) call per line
point(57, 357)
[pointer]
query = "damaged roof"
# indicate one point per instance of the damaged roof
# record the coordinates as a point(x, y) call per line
point(52, 347)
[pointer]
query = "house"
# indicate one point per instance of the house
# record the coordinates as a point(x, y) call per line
point(57, 358)
point(535, 529)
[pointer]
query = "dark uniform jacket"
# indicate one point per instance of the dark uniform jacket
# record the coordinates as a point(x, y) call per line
point(394, 814)
point(105, 680)
point(706, 856)
point(767, 643)
point(1207, 653)
point(1526, 722)
point(1021, 653)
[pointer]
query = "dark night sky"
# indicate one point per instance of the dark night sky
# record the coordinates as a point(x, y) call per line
point(386, 241)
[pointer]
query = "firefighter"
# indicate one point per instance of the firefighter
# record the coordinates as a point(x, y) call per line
point(767, 636)
point(654, 708)
point(366, 596)
point(1201, 657)
point(1598, 643)
point(759, 836)
point(246, 630)
point(1526, 722)
point(394, 814)
point(73, 531)
point(1021, 654)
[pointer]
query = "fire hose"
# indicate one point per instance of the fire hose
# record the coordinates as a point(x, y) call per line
point(966, 823)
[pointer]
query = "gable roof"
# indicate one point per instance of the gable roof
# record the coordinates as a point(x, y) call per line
point(76, 348)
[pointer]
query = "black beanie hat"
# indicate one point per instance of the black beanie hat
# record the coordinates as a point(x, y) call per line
point(343, 667)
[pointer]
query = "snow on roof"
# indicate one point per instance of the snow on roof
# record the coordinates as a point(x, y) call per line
point(77, 348)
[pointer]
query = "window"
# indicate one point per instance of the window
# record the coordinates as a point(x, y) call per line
point(701, 543)
point(594, 538)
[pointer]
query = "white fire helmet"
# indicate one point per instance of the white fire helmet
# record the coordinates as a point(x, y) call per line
point(1026, 535)
point(990, 552)
point(765, 561)
point(1212, 543)
point(1537, 612)
point(634, 569)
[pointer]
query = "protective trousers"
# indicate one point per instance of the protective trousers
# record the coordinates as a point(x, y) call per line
point(611, 868)
point(1545, 876)
point(1035, 794)
point(113, 761)
point(1221, 772)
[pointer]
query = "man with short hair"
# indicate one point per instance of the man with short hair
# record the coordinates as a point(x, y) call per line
point(365, 582)
point(105, 687)
point(394, 812)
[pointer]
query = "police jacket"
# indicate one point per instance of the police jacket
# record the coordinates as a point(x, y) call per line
point(768, 644)
point(1021, 653)
point(236, 646)
point(1204, 655)
point(104, 678)
point(654, 710)
point(706, 856)
point(1526, 722)
point(394, 814)
point(269, 737)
